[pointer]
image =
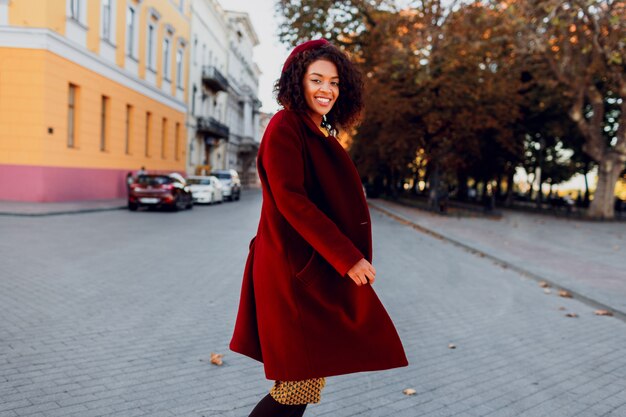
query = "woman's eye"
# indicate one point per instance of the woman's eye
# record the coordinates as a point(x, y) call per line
point(335, 83)
point(316, 81)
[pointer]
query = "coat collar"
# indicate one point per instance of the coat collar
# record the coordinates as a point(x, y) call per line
point(310, 123)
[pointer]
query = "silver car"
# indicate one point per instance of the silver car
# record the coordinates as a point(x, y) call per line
point(231, 185)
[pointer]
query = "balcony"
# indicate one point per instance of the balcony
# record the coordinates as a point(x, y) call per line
point(213, 79)
point(211, 127)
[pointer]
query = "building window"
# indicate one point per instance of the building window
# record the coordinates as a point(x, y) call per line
point(148, 132)
point(203, 54)
point(182, 5)
point(129, 126)
point(106, 19)
point(130, 31)
point(195, 51)
point(179, 68)
point(163, 137)
point(71, 116)
point(166, 58)
point(194, 91)
point(75, 9)
point(104, 110)
point(151, 44)
point(177, 140)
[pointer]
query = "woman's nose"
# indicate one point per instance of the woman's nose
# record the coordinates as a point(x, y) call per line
point(325, 87)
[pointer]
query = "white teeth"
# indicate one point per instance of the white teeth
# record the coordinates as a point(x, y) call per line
point(323, 100)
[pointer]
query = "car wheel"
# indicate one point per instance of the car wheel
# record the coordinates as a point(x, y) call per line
point(189, 205)
point(176, 205)
point(238, 195)
point(132, 206)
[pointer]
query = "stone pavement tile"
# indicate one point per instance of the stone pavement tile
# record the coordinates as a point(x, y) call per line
point(477, 411)
point(11, 405)
point(616, 412)
point(66, 411)
point(134, 412)
point(8, 413)
point(32, 409)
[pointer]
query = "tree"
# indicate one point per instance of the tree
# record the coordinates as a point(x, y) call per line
point(583, 43)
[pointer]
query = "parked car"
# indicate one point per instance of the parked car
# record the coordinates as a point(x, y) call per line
point(231, 185)
point(205, 189)
point(160, 191)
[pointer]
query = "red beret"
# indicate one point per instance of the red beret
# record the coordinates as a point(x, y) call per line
point(318, 43)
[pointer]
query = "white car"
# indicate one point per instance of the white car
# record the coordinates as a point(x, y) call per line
point(205, 189)
point(231, 184)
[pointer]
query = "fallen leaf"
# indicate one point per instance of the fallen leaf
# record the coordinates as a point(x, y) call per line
point(615, 248)
point(603, 313)
point(451, 346)
point(565, 294)
point(216, 358)
point(561, 308)
point(409, 391)
point(574, 315)
point(547, 290)
point(544, 284)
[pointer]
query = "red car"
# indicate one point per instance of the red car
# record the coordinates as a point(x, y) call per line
point(160, 191)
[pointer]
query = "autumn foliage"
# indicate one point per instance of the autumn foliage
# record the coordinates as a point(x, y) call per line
point(472, 91)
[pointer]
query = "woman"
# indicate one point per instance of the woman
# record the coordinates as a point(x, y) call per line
point(307, 308)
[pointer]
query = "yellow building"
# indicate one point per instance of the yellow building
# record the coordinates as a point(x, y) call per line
point(89, 91)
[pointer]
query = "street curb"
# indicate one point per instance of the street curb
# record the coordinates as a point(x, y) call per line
point(498, 261)
point(58, 213)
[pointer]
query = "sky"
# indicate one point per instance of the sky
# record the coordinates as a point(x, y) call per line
point(270, 53)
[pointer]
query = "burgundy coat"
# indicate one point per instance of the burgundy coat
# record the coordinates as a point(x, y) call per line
point(299, 312)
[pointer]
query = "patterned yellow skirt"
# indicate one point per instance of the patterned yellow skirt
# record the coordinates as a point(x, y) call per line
point(307, 391)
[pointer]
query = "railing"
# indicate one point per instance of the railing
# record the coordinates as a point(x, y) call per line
point(210, 126)
point(214, 79)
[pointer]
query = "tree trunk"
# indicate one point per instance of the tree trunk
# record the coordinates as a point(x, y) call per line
point(462, 193)
point(433, 189)
point(530, 189)
point(586, 200)
point(603, 204)
point(416, 180)
point(498, 191)
point(509, 188)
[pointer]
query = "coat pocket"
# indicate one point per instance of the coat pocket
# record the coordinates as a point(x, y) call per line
point(308, 274)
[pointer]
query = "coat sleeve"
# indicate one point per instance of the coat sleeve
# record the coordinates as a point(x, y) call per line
point(282, 160)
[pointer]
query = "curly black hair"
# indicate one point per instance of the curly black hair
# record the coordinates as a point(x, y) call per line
point(289, 88)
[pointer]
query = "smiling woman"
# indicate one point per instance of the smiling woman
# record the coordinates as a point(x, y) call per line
point(307, 309)
point(321, 72)
point(321, 89)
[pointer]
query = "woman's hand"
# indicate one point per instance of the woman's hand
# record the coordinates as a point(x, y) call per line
point(362, 272)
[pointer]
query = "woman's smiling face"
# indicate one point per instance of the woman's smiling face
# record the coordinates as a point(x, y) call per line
point(321, 88)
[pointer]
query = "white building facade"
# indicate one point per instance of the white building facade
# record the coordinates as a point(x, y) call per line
point(243, 102)
point(223, 121)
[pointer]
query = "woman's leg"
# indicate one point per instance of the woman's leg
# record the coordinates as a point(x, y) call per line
point(269, 407)
point(299, 412)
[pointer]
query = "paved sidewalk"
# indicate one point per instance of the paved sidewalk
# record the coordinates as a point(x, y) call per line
point(115, 314)
point(587, 258)
point(18, 208)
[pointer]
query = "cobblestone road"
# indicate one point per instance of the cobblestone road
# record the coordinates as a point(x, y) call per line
point(116, 313)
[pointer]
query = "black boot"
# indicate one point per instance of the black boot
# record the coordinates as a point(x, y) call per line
point(269, 407)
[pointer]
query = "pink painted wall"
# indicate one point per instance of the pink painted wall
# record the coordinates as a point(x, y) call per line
point(50, 184)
